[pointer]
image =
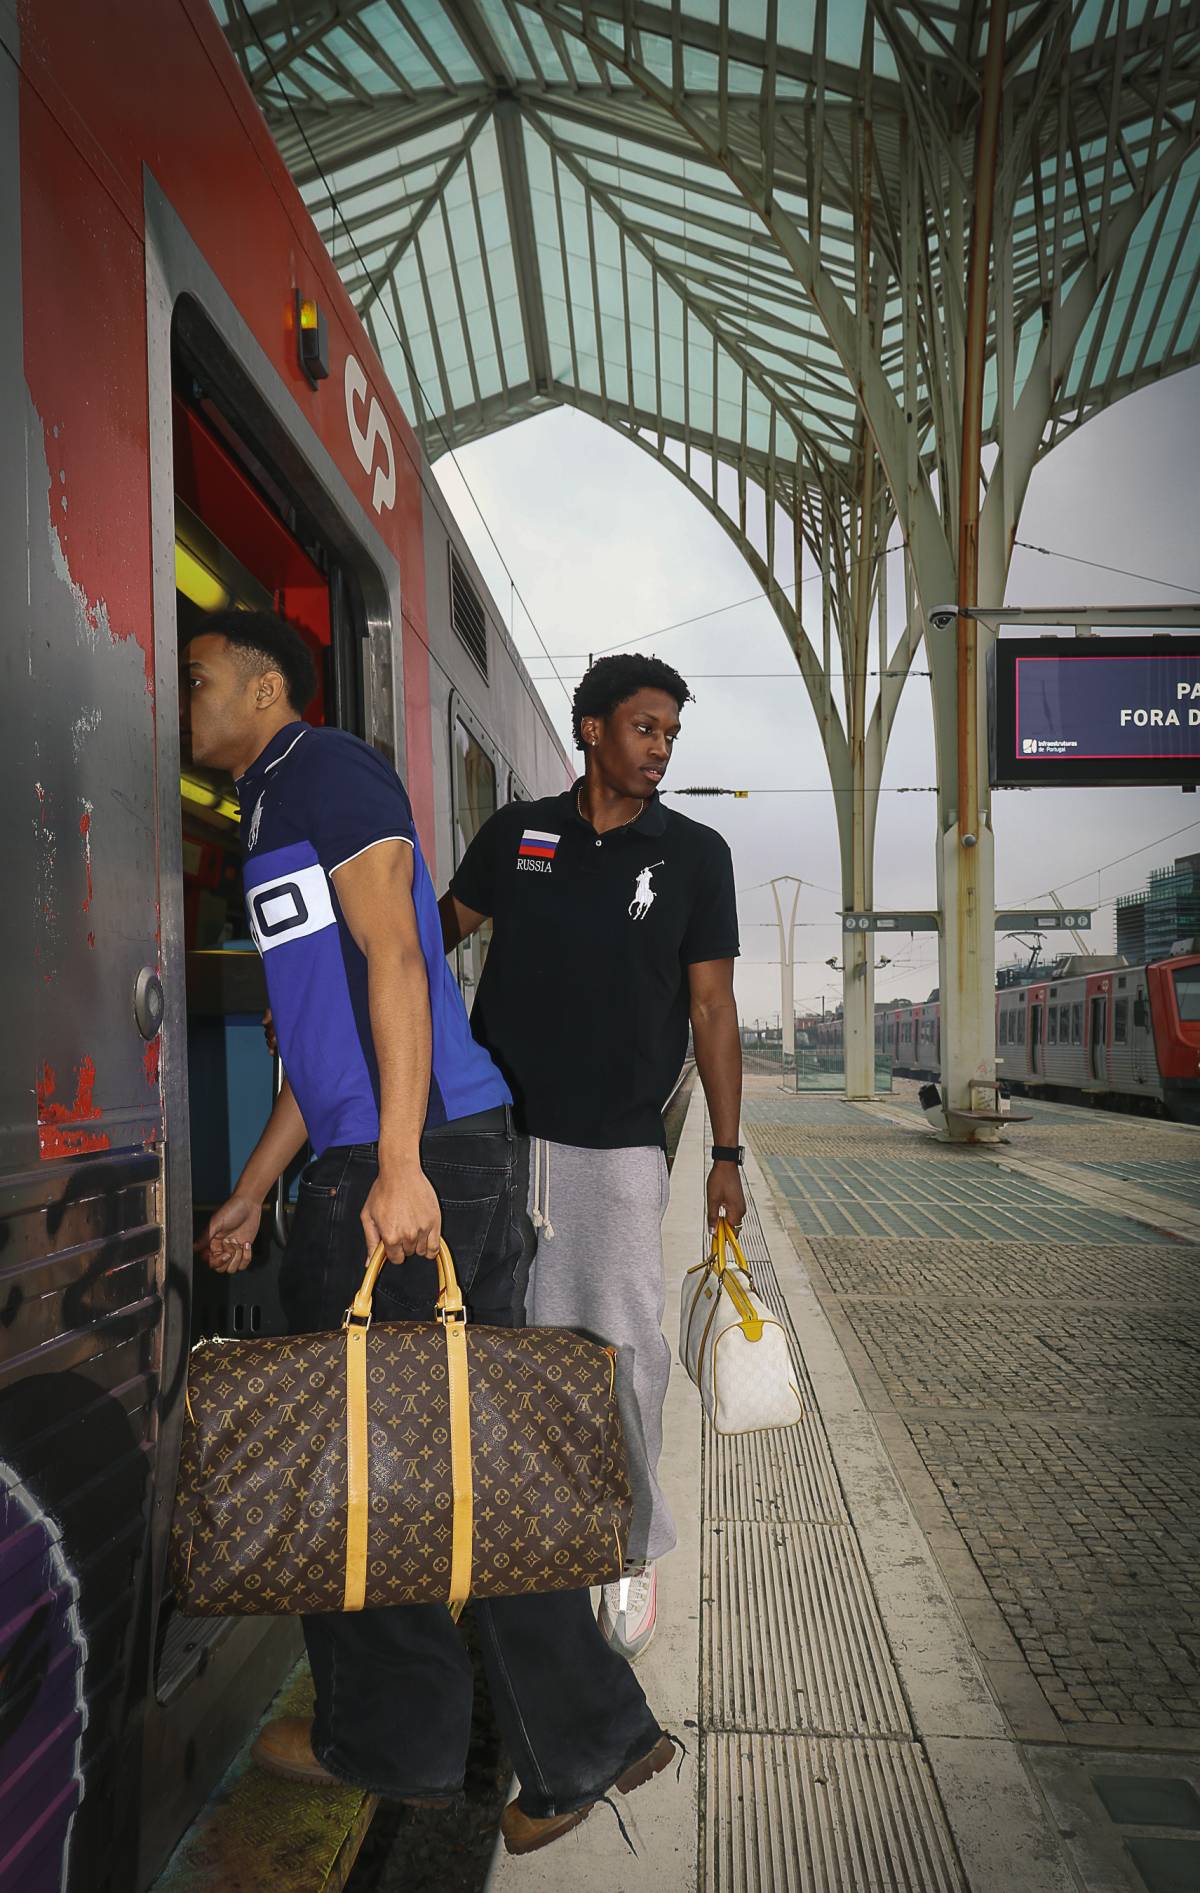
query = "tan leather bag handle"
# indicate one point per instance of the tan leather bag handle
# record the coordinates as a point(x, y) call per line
point(449, 1299)
point(452, 1315)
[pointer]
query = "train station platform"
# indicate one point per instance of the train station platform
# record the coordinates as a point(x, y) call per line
point(944, 1635)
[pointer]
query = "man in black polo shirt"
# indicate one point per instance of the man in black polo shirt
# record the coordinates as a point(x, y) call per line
point(614, 925)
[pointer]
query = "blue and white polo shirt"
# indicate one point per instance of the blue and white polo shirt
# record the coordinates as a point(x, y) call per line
point(311, 802)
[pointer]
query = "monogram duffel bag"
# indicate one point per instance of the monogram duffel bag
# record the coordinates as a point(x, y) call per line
point(405, 1463)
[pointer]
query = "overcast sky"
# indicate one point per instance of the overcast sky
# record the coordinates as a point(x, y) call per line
point(605, 546)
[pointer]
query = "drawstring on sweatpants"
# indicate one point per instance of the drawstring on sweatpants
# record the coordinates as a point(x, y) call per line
point(540, 1214)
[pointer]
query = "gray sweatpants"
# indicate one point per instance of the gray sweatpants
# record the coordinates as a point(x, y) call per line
point(599, 1268)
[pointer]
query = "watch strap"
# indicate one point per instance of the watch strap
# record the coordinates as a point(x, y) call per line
point(728, 1153)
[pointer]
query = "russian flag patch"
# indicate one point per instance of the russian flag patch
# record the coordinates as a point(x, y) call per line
point(536, 846)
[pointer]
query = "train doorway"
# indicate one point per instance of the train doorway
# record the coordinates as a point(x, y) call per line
point(239, 545)
point(1098, 1036)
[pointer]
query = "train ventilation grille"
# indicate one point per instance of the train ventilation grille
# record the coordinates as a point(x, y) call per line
point(466, 613)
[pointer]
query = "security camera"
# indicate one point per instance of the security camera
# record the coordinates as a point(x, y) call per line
point(942, 617)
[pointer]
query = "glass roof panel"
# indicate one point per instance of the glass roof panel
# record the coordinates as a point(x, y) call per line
point(649, 278)
point(435, 24)
point(502, 30)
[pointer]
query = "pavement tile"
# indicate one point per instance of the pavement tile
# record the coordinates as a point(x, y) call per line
point(1043, 1354)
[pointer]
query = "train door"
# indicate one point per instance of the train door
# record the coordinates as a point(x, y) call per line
point(1141, 1039)
point(1098, 1037)
point(1037, 1014)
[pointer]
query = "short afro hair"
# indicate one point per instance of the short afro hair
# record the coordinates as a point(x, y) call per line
point(612, 680)
point(277, 644)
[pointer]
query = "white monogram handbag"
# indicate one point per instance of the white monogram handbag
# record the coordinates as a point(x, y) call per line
point(737, 1354)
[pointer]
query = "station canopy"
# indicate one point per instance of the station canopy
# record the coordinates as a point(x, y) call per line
point(537, 203)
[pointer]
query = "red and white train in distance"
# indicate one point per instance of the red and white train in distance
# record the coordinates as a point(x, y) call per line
point(163, 452)
point(1091, 1028)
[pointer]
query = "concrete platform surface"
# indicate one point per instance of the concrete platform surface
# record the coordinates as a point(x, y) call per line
point(843, 1734)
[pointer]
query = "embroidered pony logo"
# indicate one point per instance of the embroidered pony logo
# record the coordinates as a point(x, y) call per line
point(643, 893)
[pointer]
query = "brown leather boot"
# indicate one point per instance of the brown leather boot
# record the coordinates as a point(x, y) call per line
point(284, 1747)
point(525, 1833)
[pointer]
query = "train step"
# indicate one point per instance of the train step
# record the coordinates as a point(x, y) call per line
point(259, 1834)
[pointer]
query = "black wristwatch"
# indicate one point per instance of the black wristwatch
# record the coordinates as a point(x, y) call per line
point(729, 1153)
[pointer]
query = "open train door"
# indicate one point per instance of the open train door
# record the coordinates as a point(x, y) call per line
point(242, 537)
point(1098, 1038)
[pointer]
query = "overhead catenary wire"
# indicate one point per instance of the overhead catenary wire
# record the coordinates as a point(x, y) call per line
point(1121, 571)
point(767, 592)
point(1116, 862)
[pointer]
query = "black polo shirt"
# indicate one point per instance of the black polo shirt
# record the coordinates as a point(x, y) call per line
point(583, 1001)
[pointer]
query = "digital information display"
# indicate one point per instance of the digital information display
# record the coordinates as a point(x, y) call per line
point(1095, 711)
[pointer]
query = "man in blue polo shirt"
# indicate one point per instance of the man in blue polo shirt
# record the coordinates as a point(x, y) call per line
point(411, 1129)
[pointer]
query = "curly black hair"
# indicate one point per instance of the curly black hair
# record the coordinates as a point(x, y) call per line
point(611, 680)
point(263, 635)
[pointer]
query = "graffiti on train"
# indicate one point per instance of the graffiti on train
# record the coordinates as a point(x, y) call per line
point(42, 1705)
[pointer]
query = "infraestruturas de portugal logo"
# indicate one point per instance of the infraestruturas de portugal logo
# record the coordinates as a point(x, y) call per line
point(537, 851)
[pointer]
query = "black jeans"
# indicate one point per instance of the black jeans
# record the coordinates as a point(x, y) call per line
point(394, 1687)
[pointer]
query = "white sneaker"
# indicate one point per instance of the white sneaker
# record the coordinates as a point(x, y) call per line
point(629, 1611)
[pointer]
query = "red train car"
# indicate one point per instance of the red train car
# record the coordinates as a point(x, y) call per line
point(164, 450)
point(1091, 1028)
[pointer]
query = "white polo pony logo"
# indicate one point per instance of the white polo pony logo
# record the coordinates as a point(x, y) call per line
point(643, 893)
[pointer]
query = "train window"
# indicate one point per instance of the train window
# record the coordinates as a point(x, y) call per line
point(517, 792)
point(1064, 1025)
point(1021, 1026)
point(1052, 1026)
point(474, 798)
point(1077, 1023)
point(1120, 1021)
point(1004, 1028)
point(1187, 992)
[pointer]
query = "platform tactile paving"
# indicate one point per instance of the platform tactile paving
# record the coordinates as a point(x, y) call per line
point(1181, 1180)
point(784, 1473)
point(875, 1196)
point(786, 1814)
point(796, 1670)
point(794, 1639)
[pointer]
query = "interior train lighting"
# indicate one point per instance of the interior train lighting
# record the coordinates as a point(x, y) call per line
point(313, 338)
point(205, 796)
point(197, 582)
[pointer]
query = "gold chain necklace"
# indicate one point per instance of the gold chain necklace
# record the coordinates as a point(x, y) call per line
point(611, 831)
